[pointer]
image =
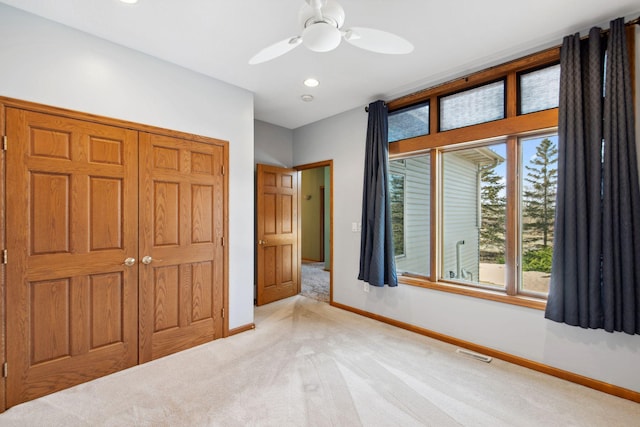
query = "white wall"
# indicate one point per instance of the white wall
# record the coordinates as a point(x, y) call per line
point(52, 64)
point(273, 145)
point(342, 139)
point(612, 358)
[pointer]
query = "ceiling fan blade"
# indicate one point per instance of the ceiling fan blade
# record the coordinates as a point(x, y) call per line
point(275, 50)
point(377, 41)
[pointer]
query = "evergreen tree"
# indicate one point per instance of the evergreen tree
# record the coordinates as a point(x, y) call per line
point(396, 195)
point(540, 195)
point(493, 202)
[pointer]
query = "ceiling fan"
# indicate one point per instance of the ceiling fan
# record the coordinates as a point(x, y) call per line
point(322, 22)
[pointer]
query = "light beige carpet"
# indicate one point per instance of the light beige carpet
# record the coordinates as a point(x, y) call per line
point(315, 281)
point(309, 364)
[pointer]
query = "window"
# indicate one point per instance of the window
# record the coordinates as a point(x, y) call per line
point(539, 89)
point(474, 215)
point(538, 201)
point(409, 122)
point(410, 215)
point(478, 193)
point(475, 206)
point(473, 106)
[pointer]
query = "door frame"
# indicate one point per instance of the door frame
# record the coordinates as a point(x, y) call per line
point(315, 165)
point(3, 268)
point(322, 223)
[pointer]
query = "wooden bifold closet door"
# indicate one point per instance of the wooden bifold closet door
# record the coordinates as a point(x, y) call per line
point(115, 243)
point(71, 223)
point(181, 232)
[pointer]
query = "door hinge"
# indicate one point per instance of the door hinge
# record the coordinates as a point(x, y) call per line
point(222, 170)
point(5, 370)
point(222, 312)
point(4, 143)
point(5, 256)
point(222, 241)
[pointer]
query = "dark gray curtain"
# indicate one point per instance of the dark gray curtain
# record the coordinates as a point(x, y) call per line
point(377, 259)
point(595, 277)
point(621, 195)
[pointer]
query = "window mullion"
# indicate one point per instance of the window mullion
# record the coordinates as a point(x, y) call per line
point(436, 196)
point(512, 229)
point(512, 95)
point(436, 214)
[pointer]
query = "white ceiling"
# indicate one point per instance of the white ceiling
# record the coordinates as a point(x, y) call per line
point(217, 37)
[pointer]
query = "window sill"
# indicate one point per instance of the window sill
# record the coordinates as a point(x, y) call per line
point(521, 300)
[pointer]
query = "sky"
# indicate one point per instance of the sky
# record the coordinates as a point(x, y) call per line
point(528, 151)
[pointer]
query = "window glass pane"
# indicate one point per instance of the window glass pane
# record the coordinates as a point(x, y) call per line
point(474, 215)
point(409, 122)
point(540, 89)
point(397, 195)
point(473, 106)
point(539, 183)
point(410, 216)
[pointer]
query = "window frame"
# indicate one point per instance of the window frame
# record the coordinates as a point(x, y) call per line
point(411, 252)
point(520, 207)
point(509, 129)
point(453, 148)
point(411, 107)
point(519, 75)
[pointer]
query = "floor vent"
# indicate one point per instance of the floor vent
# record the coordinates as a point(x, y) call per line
point(477, 356)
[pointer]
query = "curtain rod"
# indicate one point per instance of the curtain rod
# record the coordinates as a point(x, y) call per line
point(632, 22)
point(629, 23)
point(366, 108)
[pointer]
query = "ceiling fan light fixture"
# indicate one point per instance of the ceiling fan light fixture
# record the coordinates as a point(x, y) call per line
point(321, 37)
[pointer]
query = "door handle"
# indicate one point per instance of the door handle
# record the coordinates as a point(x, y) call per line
point(147, 260)
point(262, 242)
point(129, 261)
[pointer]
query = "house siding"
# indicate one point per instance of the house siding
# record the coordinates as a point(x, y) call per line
point(460, 216)
point(417, 192)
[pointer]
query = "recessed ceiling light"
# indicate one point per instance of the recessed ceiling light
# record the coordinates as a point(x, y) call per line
point(129, 1)
point(311, 82)
point(307, 98)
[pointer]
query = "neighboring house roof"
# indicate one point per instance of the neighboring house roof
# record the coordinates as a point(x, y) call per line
point(481, 156)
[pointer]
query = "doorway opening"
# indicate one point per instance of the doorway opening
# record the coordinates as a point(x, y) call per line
point(316, 214)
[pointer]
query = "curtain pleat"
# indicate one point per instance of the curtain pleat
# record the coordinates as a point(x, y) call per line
point(377, 258)
point(591, 310)
point(595, 271)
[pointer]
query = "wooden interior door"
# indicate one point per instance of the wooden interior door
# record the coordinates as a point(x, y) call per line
point(182, 229)
point(278, 257)
point(71, 216)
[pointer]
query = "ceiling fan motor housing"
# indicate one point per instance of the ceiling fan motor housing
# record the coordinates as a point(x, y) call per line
point(330, 13)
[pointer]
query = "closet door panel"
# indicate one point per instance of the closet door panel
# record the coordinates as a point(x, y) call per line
point(71, 222)
point(181, 230)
